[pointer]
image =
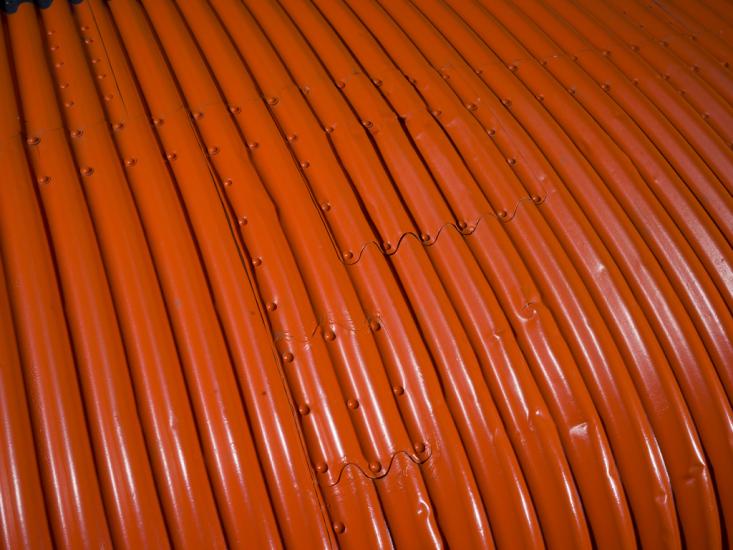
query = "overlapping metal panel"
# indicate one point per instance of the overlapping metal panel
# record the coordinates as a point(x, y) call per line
point(366, 274)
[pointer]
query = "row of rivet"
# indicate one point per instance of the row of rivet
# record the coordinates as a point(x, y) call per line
point(462, 227)
point(635, 48)
point(77, 133)
point(353, 404)
point(502, 214)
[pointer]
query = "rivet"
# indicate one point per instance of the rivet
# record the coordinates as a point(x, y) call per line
point(288, 357)
point(88, 171)
point(131, 162)
point(398, 390)
point(491, 131)
point(43, 179)
point(272, 100)
point(49, 33)
point(69, 104)
point(253, 145)
point(84, 28)
point(64, 85)
point(213, 151)
point(605, 87)
point(305, 90)
point(242, 220)
point(95, 61)
point(540, 97)
point(272, 306)
point(663, 43)
point(171, 156)
point(338, 527)
point(101, 76)
point(377, 82)
point(536, 198)
point(305, 164)
point(445, 76)
point(234, 110)
point(387, 246)
point(462, 225)
point(636, 82)
point(352, 404)
point(227, 182)
point(341, 85)
point(375, 466)
point(502, 213)
point(606, 53)
point(665, 76)
point(117, 127)
point(375, 325)
point(471, 107)
point(326, 206)
point(436, 113)
point(634, 48)
point(109, 97)
point(329, 129)
point(304, 409)
point(88, 40)
point(54, 48)
point(512, 68)
point(367, 123)
point(478, 71)
point(322, 468)
point(419, 447)
point(59, 64)
point(571, 91)
point(198, 115)
point(543, 62)
point(158, 121)
point(329, 335)
point(33, 140)
point(511, 161)
point(574, 58)
point(257, 261)
point(292, 138)
point(425, 237)
point(348, 255)
point(507, 102)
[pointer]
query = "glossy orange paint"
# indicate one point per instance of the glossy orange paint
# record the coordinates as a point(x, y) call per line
point(366, 274)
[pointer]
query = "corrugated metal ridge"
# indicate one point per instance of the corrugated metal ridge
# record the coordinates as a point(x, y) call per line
point(366, 274)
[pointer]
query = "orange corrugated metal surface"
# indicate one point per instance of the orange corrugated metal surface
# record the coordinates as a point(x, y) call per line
point(366, 274)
